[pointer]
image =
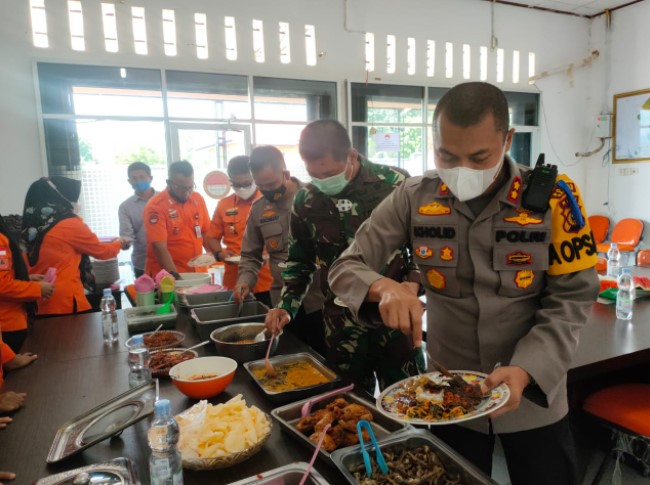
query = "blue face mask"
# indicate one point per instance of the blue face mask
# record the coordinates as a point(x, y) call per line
point(141, 186)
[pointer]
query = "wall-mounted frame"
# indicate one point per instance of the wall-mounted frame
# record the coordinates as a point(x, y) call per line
point(632, 127)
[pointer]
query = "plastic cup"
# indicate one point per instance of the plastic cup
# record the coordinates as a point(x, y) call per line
point(145, 299)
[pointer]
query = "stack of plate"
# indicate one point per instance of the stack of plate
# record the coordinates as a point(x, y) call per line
point(106, 272)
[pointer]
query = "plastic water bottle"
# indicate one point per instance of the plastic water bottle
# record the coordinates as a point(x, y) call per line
point(165, 465)
point(613, 261)
point(625, 295)
point(139, 372)
point(109, 317)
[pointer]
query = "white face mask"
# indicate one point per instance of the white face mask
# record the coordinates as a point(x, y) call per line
point(469, 183)
point(246, 193)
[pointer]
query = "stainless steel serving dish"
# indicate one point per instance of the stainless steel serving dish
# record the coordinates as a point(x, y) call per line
point(119, 471)
point(349, 458)
point(210, 318)
point(285, 475)
point(144, 318)
point(207, 299)
point(301, 393)
point(289, 415)
point(224, 341)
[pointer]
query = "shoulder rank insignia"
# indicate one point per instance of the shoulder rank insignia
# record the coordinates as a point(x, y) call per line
point(434, 209)
point(514, 190)
point(443, 190)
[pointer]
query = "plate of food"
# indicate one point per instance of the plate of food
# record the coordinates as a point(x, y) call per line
point(202, 260)
point(233, 259)
point(163, 360)
point(162, 339)
point(433, 399)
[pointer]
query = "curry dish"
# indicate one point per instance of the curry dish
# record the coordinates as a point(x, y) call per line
point(294, 375)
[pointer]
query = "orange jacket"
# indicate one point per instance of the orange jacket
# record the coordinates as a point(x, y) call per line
point(6, 354)
point(229, 224)
point(13, 292)
point(180, 225)
point(62, 249)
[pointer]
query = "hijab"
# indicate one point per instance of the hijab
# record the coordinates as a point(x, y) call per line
point(18, 263)
point(48, 202)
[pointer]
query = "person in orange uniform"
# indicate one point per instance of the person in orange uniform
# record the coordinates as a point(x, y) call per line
point(18, 290)
point(175, 221)
point(56, 237)
point(229, 223)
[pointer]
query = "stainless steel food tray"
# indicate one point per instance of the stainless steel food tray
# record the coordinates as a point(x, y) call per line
point(106, 420)
point(348, 458)
point(285, 475)
point(118, 471)
point(303, 392)
point(144, 318)
point(212, 317)
point(208, 299)
point(289, 415)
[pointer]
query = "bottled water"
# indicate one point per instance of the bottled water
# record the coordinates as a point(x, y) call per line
point(625, 295)
point(165, 464)
point(613, 261)
point(109, 317)
point(139, 372)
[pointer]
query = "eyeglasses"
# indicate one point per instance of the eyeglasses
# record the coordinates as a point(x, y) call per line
point(181, 188)
point(240, 186)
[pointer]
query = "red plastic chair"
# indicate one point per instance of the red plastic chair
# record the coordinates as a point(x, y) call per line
point(600, 227)
point(625, 409)
point(626, 233)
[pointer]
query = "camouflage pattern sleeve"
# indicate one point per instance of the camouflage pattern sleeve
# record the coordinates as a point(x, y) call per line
point(301, 261)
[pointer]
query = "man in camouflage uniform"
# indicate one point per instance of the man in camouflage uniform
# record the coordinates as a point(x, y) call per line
point(325, 216)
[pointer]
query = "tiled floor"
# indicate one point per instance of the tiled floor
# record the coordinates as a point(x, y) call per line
point(629, 476)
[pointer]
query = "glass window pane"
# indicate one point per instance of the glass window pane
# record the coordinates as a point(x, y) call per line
point(293, 100)
point(381, 103)
point(207, 96)
point(93, 90)
point(98, 153)
point(396, 146)
point(524, 108)
point(521, 148)
point(434, 96)
point(285, 138)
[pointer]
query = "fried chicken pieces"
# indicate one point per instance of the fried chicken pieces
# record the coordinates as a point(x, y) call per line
point(343, 418)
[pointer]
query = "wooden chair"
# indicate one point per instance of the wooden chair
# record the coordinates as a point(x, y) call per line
point(625, 409)
point(599, 227)
point(643, 257)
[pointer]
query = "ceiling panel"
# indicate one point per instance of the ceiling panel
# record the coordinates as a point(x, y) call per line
point(580, 7)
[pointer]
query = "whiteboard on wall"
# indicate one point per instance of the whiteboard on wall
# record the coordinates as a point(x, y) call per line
point(632, 127)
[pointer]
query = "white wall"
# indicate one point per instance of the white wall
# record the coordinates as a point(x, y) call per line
point(629, 70)
point(556, 39)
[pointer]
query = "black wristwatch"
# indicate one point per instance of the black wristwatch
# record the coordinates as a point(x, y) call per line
point(175, 275)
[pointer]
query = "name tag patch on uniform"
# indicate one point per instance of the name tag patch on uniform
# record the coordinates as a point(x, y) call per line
point(344, 205)
point(520, 236)
point(447, 254)
point(197, 231)
point(444, 190)
point(523, 219)
point(436, 279)
point(524, 278)
point(434, 209)
point(519, 258)
point(268, 213)
point(4, 260)
point(435, 232)
point(424, 252)
point(232, 212)
point(514, 190)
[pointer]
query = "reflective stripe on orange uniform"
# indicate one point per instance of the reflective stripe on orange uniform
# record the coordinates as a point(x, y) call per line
point(229, 224)
point(13, 292)
point(62, 249)
point(6, 354)
point(180, 225)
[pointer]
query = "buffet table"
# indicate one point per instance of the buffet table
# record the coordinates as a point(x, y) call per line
point(75, 372)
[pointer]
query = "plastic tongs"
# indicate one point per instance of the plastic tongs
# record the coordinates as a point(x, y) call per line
point(378, 455)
